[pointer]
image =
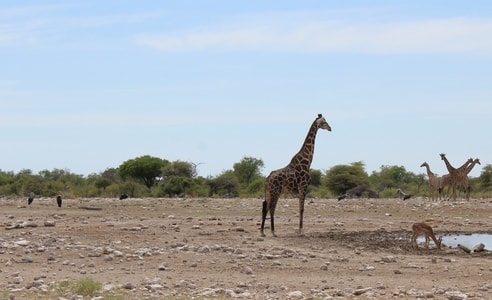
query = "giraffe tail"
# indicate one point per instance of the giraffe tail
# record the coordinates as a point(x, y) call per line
point(264, 209)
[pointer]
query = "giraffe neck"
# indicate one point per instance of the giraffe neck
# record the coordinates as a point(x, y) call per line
point(304, 157)
point(465, 166)
point(450, 168)
point(470, 167)
point(429, 173)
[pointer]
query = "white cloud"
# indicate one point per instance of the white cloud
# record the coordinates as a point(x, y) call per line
point(33, 25)
point(450, 35)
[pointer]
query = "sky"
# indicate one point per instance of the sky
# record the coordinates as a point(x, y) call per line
point(87, 85)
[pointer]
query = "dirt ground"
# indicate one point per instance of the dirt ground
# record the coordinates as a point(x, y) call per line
point(212, 248)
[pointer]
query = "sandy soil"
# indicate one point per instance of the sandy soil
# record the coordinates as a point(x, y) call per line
point(212, 248)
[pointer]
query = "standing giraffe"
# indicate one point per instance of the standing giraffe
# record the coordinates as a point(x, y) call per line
point(293, 178)
point(434, 182)
point(455, 174)
point(464, 181)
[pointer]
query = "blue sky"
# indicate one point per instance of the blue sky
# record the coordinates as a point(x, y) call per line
point(87, 85)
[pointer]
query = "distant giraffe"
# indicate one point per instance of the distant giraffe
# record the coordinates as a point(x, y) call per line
point(293, 178)
point(434, 182)
point(463, 180)
point(455, 174)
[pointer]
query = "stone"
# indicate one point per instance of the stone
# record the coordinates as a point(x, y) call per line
point(295, 295)
point(455, 295)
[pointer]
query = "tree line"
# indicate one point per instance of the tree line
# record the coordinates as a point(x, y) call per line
point(148, 176)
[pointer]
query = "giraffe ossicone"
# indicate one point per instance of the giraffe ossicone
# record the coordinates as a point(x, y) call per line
point(293, 178)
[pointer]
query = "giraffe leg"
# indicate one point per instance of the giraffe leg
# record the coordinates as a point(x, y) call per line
point(272, 213)
point(268, 206)
point(301, 212)
point(453, 192)
point(264, 212)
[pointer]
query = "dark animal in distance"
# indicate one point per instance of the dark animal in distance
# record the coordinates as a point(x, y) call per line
point(59, 200)
point(401, 194)
point(123, 196)
point(357, 192)
point(30, 199)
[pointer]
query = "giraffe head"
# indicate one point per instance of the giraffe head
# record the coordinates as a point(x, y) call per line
point(477, 161)
point(321, 123)
point(442, 155)
point(424, 164)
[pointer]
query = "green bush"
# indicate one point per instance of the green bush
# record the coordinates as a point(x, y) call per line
point(86, 287)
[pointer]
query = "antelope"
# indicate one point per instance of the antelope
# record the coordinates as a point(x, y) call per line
point(420, 229)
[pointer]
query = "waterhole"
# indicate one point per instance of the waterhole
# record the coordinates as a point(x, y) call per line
point(468, 240)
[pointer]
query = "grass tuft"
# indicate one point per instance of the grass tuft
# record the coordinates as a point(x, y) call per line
point(86, 287)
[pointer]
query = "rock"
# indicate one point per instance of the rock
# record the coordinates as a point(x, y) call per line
point(455, 295)
point(15, 226)
point(464, 248)
point(155, 286)
point(30, 224)
point(365, 267)
point(22, 243)
point(128, 286)
point(49, 223)
point(204, 249)
point(17, 280)
point(478, 248)
point(388, 259)
point(359, 292)
point(27, 259)
point(295, 295)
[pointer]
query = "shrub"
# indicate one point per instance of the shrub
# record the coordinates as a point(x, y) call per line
point(86, 287)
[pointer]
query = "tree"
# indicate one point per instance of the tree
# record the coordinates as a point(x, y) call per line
point(176, 186)
point(179, 168)
point(486, 178)
point(395, 177)
point(112, 175)
point(145, 168)
point(225, 184)
point(248, 169)
point(102, 183)
point(340, 178)
point(315, 177)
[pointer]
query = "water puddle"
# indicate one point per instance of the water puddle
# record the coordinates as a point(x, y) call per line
point(468, 240)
